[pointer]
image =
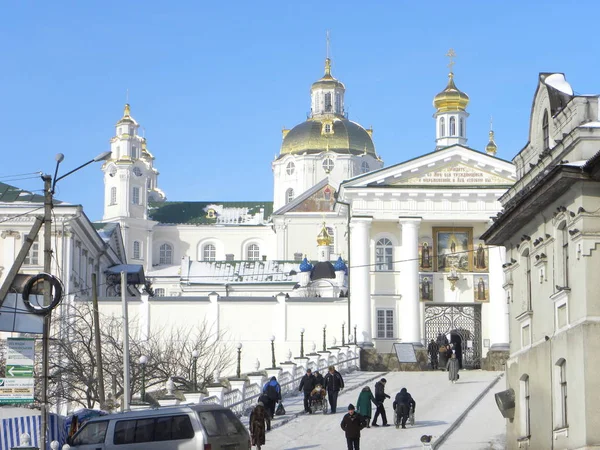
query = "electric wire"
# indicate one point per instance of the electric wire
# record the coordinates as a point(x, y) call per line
point(21, 175)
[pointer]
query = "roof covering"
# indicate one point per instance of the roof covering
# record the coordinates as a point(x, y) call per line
point(221, 272)
point(239, 213)
point(105, 230)
point(12, 194)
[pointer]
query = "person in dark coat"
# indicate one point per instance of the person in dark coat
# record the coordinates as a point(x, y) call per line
point(334, 383)
point(259, 417)
point(433, 350)
point(307, 384)
point(273, 392)
point(403, 405)
point(319, 378)
point(452, 367)
point(380, 397)
point(352, 423)
point(363, 404)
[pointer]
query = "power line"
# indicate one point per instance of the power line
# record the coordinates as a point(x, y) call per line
point(21, 175)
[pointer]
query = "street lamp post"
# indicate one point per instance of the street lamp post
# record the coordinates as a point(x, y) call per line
point(273, 366)
point(301, 342)
point(239, 365)
point(49, 185)
point(343, 333)
point(195, 355)
point(325, 337)
point(143, 362)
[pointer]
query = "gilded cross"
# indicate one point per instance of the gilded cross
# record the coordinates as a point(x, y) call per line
point(451, 55)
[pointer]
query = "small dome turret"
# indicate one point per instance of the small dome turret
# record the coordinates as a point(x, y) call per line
point(451, 98)
point(324, 238)
point(305, 266)
point(340, 265)
point(491, 148)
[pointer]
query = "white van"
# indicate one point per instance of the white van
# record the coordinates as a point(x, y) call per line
point(188, 427)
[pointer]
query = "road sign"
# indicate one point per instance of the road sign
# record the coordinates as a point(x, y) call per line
point(19, 371)
point(16, 390)
point(21, 352)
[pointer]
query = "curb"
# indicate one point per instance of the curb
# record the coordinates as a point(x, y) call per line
point(347, 389)
point(439, 441)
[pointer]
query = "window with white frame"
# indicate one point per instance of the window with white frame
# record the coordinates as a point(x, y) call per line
point(137, 250)
point(442, 127)
point(328, 103)
point(461, 127)
point(290, 168)
point(384, 255)
point(364, 167)
point(338, 103)
point(159, 292)
point(209, 253)
point(253, 252)
point(289, 195)
point(331, 232)
point(134, 152)
point(561, 393)
point(525, 406)
point(385, 323)
point(526, 334)
point(33, 255)
point(545, 131)
point(135, 197)
point(113, 196)
point(564, 255)
point(328, 165)
point(452, 126)
point(527, 287)
point(165, 254)
point(562, 319)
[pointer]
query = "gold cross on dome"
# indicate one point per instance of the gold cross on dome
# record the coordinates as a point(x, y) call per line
point(451, 55)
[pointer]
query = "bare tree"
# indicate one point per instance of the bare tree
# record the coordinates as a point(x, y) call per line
point(74, 367)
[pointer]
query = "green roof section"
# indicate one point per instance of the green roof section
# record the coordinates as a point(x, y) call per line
point(197, 213)
point(12, 194)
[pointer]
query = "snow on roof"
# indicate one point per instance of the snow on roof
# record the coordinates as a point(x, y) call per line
point(558, 82)
point(590, 125)
point(241, 271)
point(575, 163)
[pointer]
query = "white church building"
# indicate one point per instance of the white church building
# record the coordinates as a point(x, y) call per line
point(386, 254)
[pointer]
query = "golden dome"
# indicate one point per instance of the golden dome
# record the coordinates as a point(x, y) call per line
point(491, 148)
point(345, 137)
point(327, 81)
point(324, 238)
point(451, 99)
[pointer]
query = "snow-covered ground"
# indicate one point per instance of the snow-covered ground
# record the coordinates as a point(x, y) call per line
point(439, 404)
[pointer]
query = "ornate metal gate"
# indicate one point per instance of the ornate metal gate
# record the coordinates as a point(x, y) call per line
point(463, 320)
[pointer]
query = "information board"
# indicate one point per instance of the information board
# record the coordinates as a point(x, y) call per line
point(16, 390)
point(405, 352)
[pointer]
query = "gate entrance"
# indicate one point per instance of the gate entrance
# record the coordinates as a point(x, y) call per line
point(461, 323)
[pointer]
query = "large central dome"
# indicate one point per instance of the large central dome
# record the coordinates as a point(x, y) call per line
point(346, 137)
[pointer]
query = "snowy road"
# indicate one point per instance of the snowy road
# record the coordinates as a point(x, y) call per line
point(439, 403)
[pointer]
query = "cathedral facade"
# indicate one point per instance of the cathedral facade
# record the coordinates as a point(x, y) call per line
point(392, 253)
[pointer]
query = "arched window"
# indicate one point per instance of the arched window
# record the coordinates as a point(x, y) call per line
point(384, 253)
point(209, 253)
point(545, 131)
point(461, 127)
point(525, 406)
point(253, 252)
point(442, 127)
point(134, 152)
point(364, 167)
point(338, 103)
point(165, 254)
point(452, 126)
point(527, 292)
point(135, 197)
point(113, 196)
point(328, 103)
point(563, 251)
point(331, 232)
point(561, 393)
point(290, 168)
point(289, 195)
point(137, 250)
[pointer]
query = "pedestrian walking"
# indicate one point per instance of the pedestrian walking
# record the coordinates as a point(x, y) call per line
point(403, 404)
point(272, 390)
point(352, 423)
point(433, 349)
point(307, 384)
point(453, 367)
point(363, 404)
point(334, 383)
point(380, 397)
point(319, 378)
point(259, 419)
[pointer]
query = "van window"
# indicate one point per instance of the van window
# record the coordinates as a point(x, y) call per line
point(91, 433)
point(221, 423)
point(153, 430)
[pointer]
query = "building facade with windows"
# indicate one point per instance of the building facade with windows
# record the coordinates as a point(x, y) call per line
point(549, 226)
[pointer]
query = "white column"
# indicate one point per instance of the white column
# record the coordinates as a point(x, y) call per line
point(498, 307)
point(410, 317)
point(360, 286)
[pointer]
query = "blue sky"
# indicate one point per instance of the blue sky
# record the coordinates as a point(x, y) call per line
point(213, 83)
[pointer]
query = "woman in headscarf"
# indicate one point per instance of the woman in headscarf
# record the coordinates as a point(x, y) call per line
point(363, 404)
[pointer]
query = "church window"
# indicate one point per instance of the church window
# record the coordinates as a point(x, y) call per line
point(113, 196)
point(209, 253)
point(119, 131)
point(452, 126)
point(338, 103)
point(165, 254)
point(442, 127)
point(137, 171)
point(137, 250)
point(135, 197)
point(328, 103)
point(159, 292)
point(253, 252)
point(328, 165)
point(289, 195)
point(134, 152)
point(545, 131)
point(384, 252)
point(561, 391)
point(32, 258)
point(331, 232)
point(364, 168)
point(527, 280)
point(290, 168)
point(327, 128)
point(385, 323)
point(563, 252)
point(461, 127)
point(525, 406)
point(149, 183)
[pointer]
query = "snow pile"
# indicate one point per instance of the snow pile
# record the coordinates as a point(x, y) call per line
point(558, 82)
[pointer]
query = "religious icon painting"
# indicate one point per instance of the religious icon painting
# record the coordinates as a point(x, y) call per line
point(426, 255)
point(481, 287)
point(452, 247)
point(480, 258)
point(426, 287)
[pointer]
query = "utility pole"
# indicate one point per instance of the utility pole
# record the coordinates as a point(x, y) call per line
point(47, 300)
point(126, 386)
point(98, 345)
